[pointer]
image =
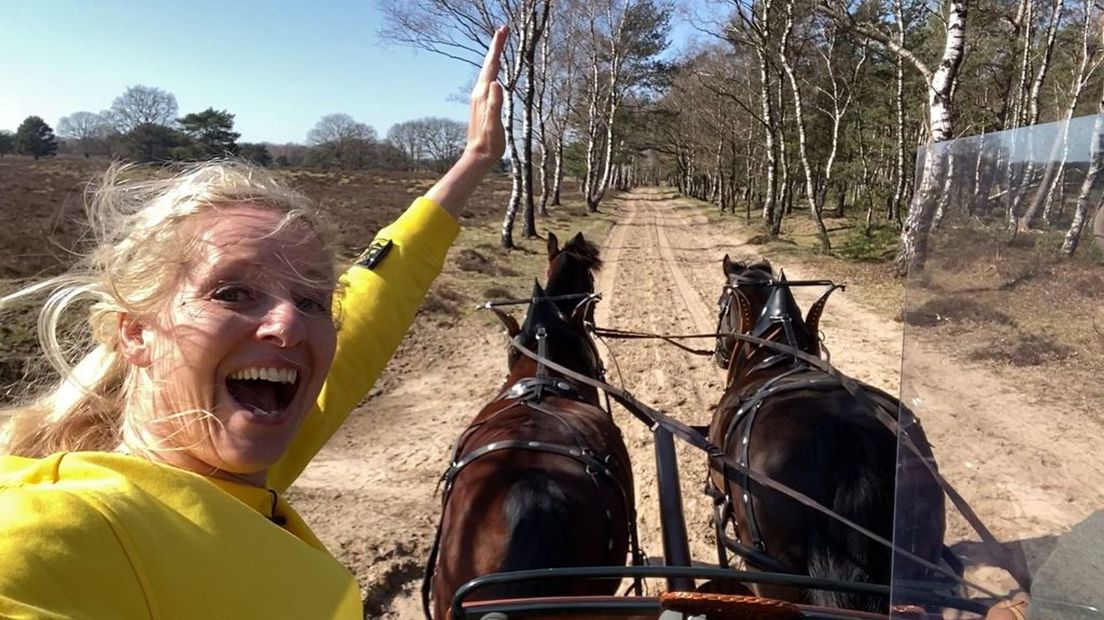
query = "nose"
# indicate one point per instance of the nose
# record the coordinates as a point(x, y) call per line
point(282, 325)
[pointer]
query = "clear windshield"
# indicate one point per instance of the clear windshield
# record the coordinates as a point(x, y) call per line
point(1002, 364)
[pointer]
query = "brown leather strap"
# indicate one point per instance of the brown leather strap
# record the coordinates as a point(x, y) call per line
point(1015, 608)
point(728, 606)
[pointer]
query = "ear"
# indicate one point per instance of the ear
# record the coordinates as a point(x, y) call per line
point(133, 342)
point(553, 245)
point(726, 264)
point(508, 321)
point(578, 239)
point(512, 328)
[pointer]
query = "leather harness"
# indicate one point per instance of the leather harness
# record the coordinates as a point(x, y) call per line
point(529, 392)
point(775, 321)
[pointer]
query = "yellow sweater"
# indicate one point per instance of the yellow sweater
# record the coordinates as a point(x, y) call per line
point(98, 535)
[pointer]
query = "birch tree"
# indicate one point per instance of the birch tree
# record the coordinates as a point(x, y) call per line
point(623, 38)
point(929, 192)
point(1089, 184)
point(460, 30)
point(1088, 59)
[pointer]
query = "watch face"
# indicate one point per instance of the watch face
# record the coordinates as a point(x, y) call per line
point(375, 253)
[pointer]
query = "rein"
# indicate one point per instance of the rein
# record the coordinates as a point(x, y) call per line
point(618, 334)
point(653, 418)
point(494, 303)
point(987, 538)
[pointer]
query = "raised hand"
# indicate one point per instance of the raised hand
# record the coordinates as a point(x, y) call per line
point(486, 135)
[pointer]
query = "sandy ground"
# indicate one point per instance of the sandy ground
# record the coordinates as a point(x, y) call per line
point(1017, 449)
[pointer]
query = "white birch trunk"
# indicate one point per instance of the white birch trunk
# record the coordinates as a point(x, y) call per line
point(799, 118)
point(506, 236)
point(925, 199)
point(1088, 185)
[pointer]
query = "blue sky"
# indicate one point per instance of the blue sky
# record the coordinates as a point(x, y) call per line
point(278, 68)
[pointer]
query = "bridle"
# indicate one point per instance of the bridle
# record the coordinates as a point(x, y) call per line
point(731, 296)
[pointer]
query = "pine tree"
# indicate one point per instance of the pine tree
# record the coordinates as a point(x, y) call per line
point(35, 138)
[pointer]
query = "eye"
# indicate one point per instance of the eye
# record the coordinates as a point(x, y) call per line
point(233, 294)
point(312, 305)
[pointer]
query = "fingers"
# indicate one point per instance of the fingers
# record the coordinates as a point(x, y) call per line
point(494, 103)
point(492, 61)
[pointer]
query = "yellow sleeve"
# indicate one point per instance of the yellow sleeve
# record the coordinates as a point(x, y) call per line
point(377, 306)
point(61, 558)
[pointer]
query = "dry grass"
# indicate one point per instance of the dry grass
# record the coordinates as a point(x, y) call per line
point(1024, 350)
point(954, 309)
point(45, 200)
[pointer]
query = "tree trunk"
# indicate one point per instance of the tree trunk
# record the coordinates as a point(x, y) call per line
point(542, 128)
point(925, 200)
point(557, 172)
point(980, 198)
point(536, 18)
point(1026, 23)
point(1045, 192)
point(603, 183)
point(899, 172)
point(1044, 63)
point(799, 118)
point(783, 205)
point(507, 235)
point(865, 188)
point(530, 225)
point(591, 177)
point(770, 126)
point(1088, 185)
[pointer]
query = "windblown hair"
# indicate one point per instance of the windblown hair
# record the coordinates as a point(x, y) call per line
point(142, 242)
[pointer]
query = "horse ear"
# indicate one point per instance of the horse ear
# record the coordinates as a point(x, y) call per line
point(578, 239)
point(553, 245)
point(508, 321)
point(726, 264)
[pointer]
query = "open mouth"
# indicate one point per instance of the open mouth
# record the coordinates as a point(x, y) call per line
point(267, 392)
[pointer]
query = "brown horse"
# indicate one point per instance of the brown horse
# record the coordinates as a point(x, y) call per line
point(541, 478)
point(802, 424)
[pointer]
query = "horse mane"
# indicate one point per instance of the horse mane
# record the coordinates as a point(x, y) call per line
point(757, 263)
point(764, 265)
point(584, 251)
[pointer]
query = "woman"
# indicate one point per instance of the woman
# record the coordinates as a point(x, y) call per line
point(147, 483)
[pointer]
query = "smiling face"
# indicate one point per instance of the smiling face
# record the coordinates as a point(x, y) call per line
point(237, 356)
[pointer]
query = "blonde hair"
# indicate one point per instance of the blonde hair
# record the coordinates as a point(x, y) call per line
point(141, 244)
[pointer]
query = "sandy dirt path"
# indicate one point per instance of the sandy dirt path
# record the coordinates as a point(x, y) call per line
point(370, 494)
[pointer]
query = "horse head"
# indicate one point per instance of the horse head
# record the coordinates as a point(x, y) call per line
point(562, 308)
point(747, 284)
point(571, 272)
point(756, 303)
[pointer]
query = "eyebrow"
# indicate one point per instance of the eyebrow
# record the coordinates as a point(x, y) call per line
point(227, 269)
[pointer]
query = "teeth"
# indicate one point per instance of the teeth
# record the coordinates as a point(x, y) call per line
point(275, 375)
point(266, 414)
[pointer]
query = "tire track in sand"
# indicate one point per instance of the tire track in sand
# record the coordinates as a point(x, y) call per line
point(645, 288)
